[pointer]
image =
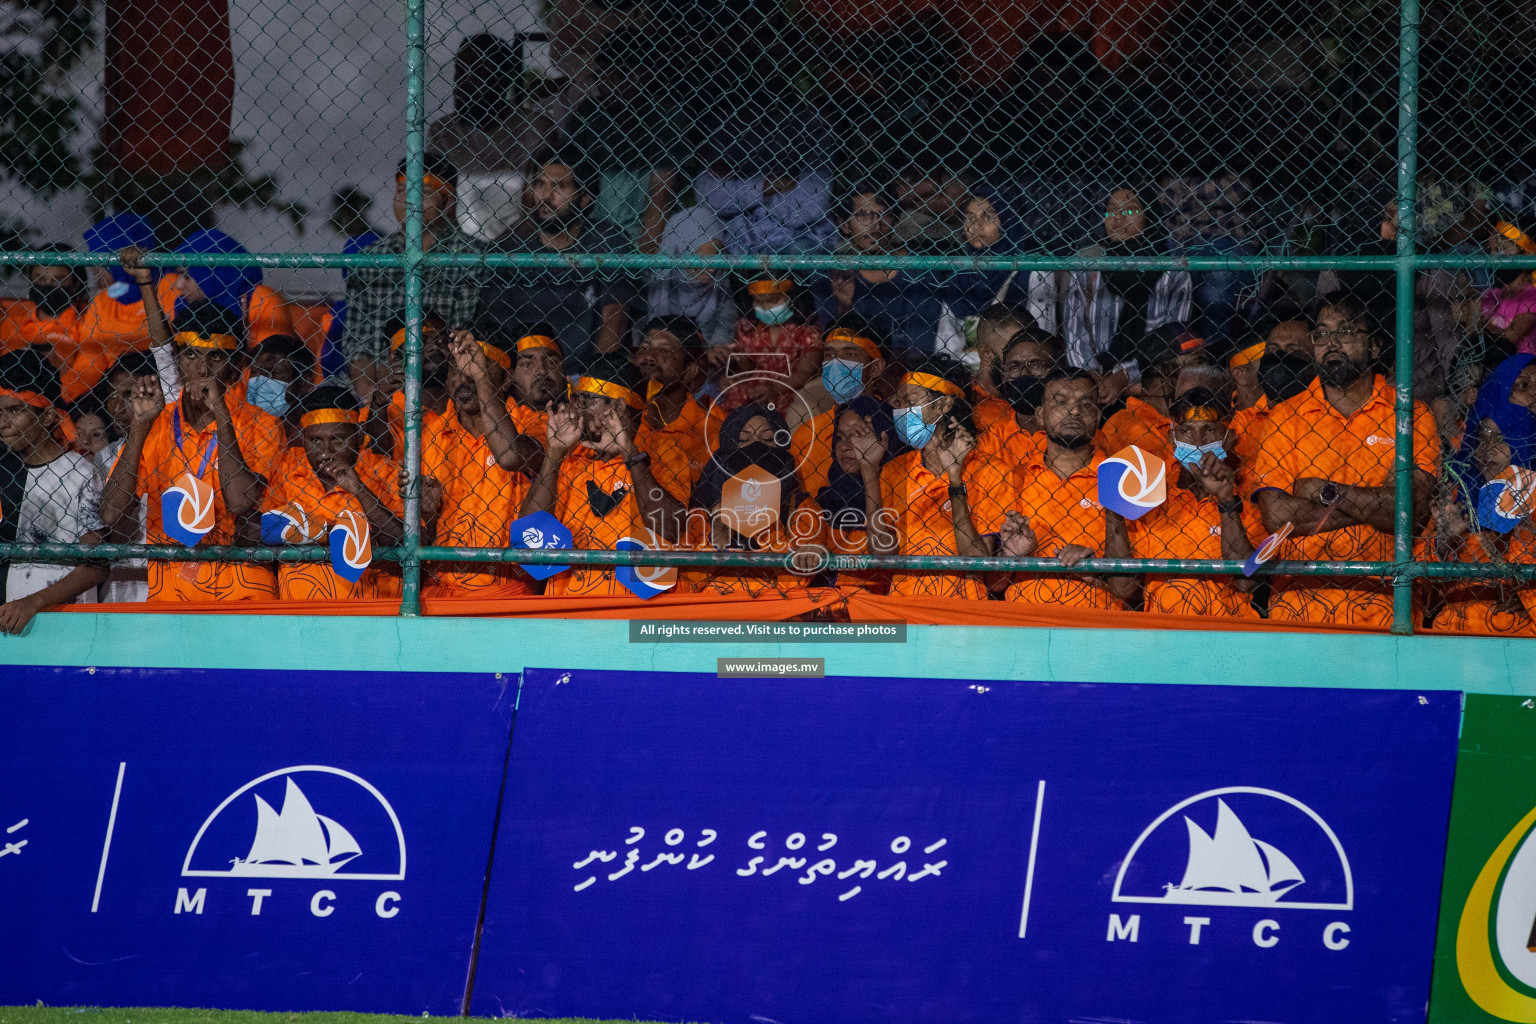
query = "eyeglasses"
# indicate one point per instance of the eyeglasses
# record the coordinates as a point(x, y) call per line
point(1123, 213)
point(1032, 367)
point(1351, 332)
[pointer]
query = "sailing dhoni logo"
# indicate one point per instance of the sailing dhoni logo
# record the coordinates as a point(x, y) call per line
point(1238, 847)
point(308, 821)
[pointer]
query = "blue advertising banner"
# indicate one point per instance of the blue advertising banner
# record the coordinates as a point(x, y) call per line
point(250, 840)
point(848, 850)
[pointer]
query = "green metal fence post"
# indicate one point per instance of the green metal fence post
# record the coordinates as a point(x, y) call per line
point(415, 147)
point(1407, 172)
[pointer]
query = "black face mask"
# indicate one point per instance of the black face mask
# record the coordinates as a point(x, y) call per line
point(1284, 375)
point(1023, 393)
point(1341, 373)
point(50, 299)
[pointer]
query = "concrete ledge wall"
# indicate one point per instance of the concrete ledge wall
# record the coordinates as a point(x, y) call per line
point(339, 643)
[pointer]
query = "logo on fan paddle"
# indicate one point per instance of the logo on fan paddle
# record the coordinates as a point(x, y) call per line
point(1132, 483)
point(1506, 501)
point(351, 546)
point(1266, 552)
point(186, 510)
point(642, 580)
point(286, 525)
point(540, 531)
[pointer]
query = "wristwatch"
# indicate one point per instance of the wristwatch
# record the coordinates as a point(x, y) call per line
point(957, 490)
point(1228, 508)
point(1330, 493)
point(637, 459)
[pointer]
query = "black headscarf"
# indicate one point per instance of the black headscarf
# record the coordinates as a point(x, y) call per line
point(706, 492)
point(843, 497)
point(1134, 287)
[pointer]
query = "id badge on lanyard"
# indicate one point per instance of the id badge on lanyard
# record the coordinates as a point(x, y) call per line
point(186, 507)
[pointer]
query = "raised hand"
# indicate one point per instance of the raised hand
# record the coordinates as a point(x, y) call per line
point(147, 401)
point(132, 260)
point(1216, 477)
point(1016, 537)
point(952, 450)
point(467, 355)
point(564, 431)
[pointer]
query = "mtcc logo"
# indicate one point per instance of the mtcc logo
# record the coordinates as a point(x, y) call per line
point(1496, 937)
point(1236, 847)
point(308, 822)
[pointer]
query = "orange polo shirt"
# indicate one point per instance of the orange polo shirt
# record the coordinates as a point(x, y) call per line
point(924, 522)
point(811, 445)
point(1247, 428)
point(105, 331)
point(1138, 424)
point(1504, 607)
point(528, 420)
point(163, 461)
point(295, 481)
point(1062, 512)
point(678, 450)
point(585, 476)
point(20, 326)
point(480, 501)
point(988, 411)
point(1308, 437)
point(806, 528)
point(1189, 527)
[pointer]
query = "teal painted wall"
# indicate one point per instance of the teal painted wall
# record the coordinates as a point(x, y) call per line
point(507, 645)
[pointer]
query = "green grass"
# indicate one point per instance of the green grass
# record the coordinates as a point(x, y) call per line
point(168, 1015)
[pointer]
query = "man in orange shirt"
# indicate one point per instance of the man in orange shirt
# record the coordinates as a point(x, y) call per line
point(1058, 514)
point(1028, 361)
point(1326, 467)
point(212, 445)
point(853, 357)
point(948, 495)
point(47, 316)
point(667, 365)
point(475, 465)
point(996, 328)
point(598, 482)
point(1203, 518)
point(384, 413)
point(538, 380)
point(328, 473)
point(1267, 373)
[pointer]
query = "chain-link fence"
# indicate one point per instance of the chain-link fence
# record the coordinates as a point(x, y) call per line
point(1171, 306)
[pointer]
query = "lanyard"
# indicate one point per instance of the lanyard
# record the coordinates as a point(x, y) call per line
point(180, 450)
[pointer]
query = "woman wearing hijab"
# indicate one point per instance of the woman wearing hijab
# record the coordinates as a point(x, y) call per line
point(1105, 316)
point(752, 501)
point(992, 229)
point(236, 289)
point(1499, 445)
point(863, 431)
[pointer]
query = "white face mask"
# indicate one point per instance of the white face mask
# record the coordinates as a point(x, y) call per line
point(268, 394)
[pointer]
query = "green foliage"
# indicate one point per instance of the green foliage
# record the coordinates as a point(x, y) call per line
point(39, 113)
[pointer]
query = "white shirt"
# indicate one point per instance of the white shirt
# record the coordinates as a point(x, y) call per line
point(59, 505)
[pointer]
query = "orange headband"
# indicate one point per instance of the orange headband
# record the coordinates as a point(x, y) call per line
point(1248, 355)
point(770, 287)
point(496, 355)
point(608, 389)
point(1517, 236)
point(32, 398)
point(397, 339)
point(529, 341)
point(319, 416)
point(844, 334)
point(1200, 414)
point(191, 339)
point(1190, 344)
point(933, 382)
point(428, 181)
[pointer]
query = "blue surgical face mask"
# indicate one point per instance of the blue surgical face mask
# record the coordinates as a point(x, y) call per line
point(843, 379)
point(267, 394)
point(774, 315)
point(1191, 454)
point(910, 426)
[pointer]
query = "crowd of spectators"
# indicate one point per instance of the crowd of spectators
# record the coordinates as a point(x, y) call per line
point(882, 410)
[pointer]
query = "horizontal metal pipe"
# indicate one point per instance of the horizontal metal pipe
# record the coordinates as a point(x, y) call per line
point(639, 261)
point(66, 553)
